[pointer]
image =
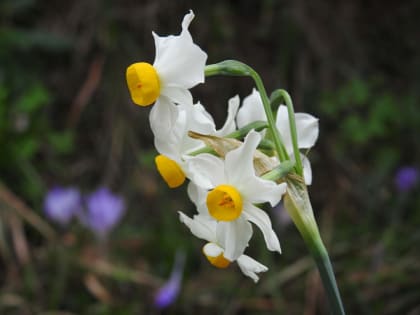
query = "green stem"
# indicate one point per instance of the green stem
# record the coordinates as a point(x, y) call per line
point(298, 205)
point(276, 97)
point(236, 68)
point(323, 262)
point(279, 172)
point(281, 151)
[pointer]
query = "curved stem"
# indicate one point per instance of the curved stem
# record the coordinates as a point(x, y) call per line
point(237, 68)
point(281, 151)
point(276, 97)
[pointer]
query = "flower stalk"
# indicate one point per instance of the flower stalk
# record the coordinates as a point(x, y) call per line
point(227, 185)
point(236, 68)
point(296, 199)
point(276, 97)
point(298, 205)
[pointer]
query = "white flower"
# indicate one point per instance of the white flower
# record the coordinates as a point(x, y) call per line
point(234, 189)
point(207, 229)
point(178, 66)
point(170, 126)
point(251, 110)
point(306, 127)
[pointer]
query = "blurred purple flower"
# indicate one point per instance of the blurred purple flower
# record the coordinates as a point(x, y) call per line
point(104, 211)
point(167, 294)
point(406, 178)
point(61, 204)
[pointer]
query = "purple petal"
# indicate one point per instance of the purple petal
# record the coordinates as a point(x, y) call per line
point(61, 204)
point(168, 293)
point(104, 211)
point(406, 178)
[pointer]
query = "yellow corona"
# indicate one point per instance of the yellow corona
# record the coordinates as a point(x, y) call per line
point(170, 171)
point(143, 83)
point(224, 203)
point(215, 256)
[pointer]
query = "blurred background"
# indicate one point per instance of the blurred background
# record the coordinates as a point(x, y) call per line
point(68, 129)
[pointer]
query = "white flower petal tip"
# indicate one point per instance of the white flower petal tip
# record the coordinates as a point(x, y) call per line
point(179, 62)
point(251, 267)
point(252, 109)
point(212, 250)
point(187, 20)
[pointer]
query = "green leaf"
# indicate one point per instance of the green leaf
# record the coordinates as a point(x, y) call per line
point(62, 142)
point(35, 97)
point(24, 148)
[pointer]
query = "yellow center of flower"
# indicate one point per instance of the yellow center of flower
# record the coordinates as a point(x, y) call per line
point(170, 171)
point(224, 203)
point(215, 256)
point(143, 83)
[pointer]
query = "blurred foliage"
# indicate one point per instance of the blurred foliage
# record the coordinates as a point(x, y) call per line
point(66, 118)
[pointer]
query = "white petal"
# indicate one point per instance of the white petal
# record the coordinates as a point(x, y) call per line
point(251, 110)
point(250, 267)
point(169, 130)
point(230, 125)
point(307, 170)
point(178, 61)
point(234, 236)
point(179, 95)
point(240, 173)
point(283, 127)
point(307, 128)
point(261, 219)
point(198, 196)
point(199, 120)
point(163, 116)
point(212, 250)
point(239, 163)
point(200, 226)
point(206, 170)
point(258, 190)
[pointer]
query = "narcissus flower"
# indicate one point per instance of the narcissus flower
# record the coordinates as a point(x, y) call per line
point(174, 144)
point(209, 230)
point(178, 66)
point(251, 110)
point(232, 189)
point(307, 127)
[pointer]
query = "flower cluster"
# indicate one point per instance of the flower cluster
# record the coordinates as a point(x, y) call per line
point(100, 211)
point(232, 171)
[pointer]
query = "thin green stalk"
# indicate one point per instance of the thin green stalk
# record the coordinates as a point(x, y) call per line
point(298, 205)
point(236, 68)
point(323, 262)
point(281, 151)
point(277, 96)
